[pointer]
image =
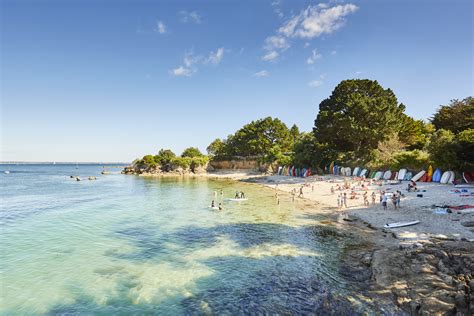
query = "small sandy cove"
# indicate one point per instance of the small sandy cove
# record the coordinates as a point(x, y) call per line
point(412, 207)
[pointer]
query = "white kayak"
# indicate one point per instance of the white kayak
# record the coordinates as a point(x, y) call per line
point(238, 200)
point(213, 207)
point(401, 224)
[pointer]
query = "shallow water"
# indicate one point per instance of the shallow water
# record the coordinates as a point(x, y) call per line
point(132, 245)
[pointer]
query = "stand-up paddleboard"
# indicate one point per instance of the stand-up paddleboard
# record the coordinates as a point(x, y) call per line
point(214, 208)
point(331, 167)
point(401, 224)
point(394, 176)
point(387, 175)
point(378, 175)
point(279, 170)
point(363, 172)
point(429, 174)
point(452, 176)
point(436, 175)
point(445, 177)
point(424, 178)
point(468, 177)
point(464, 186)
point(408, 176)
point(356, 171)
point(372, 174)
point(418, 176)
point(348, 171)
point(237, 200)
point(401, 174)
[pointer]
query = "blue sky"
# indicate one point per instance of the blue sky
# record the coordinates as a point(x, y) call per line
point(113, 80)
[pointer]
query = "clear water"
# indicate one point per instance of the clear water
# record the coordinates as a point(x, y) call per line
point(130, 245)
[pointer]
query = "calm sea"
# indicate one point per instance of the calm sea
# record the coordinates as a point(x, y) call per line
point(128, 245)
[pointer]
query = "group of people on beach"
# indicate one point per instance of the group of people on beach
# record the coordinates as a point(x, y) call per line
point(363, 185)
point(395, 198)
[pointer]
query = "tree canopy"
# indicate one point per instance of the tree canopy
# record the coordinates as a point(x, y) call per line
point(267, 137)
point(456, 116)
point(192, 152)
point(357, 116)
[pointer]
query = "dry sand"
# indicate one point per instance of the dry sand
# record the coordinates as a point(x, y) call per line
point(318, 189)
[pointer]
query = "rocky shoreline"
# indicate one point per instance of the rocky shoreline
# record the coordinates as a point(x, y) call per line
point(434, 278)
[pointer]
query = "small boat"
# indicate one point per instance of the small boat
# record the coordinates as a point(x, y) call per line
point(6, 172)
point(401, 224)
point(238, 200)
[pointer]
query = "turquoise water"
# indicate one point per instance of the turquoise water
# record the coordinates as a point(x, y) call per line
point(130, 245)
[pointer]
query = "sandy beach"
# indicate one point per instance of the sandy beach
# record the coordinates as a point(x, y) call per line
point(444, 226)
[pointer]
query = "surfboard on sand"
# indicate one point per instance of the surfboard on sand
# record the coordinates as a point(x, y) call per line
point(238, 200)
point(400, 224)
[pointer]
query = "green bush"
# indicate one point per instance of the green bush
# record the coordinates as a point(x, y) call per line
point(413, 159)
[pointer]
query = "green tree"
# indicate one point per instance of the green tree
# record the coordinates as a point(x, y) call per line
point(259, 137)
point(414, 133)
point(465, 153)
point(164, 157)
point(443, 149)
point(192, 152)
point(216, 147)
point(294, 133)
point(456, 116)
point(308, 152)
point(357, 116)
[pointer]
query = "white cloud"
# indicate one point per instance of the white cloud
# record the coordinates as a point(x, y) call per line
point(192, 16)
point(276, 42)
point(160, 27)
point(261, 74)
point(215, 58)
point(270, 56)
point(318, 82)
point(312, 22)
point(191, 62)
point(334, 52)
point(314, 56)
point(182, 71)
point(306, 44)
point(317, 20)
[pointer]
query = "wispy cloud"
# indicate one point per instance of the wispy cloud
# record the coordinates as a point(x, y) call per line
point(190, 16)
point(277, 8)
point(191, 62)
point(182, 72)
point(216, 57)
point(334, 52)
point(314, 56)
point(261, 74)
point(312, 22)
point(270, 56)
point(160, 27)
point(317, 83)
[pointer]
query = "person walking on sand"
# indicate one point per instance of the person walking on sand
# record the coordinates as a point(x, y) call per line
point(339, 202)
point(394, 200)
point(373, 198)
point(399, 197)
point(301, 192)
point(366, 199)
point(332, 189)
point(384, 201)
point(344, 199)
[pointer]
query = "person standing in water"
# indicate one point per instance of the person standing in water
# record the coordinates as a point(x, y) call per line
point(373, 198)
point(220, 206)
point(344, 199)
